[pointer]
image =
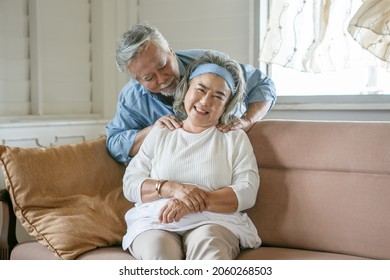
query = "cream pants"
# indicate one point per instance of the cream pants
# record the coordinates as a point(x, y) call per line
point(208, 242)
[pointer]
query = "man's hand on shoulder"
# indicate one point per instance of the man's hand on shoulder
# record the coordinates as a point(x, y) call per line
point(234, 124)
point(169, 121)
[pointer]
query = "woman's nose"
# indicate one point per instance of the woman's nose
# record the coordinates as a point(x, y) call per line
point(205, 100)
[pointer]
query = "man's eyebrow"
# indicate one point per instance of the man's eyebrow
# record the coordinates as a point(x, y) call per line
point(146, 76)
point(161, 64)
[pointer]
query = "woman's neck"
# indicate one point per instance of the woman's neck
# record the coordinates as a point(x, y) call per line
point(194, 128)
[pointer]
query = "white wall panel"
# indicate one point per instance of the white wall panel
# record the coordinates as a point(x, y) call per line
point(61, 52)
point(208, 24)
point(14, 58)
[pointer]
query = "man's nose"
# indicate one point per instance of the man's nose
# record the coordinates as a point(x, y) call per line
point(162, 78)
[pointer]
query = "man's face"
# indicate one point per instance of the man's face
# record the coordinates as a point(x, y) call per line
point(156, 69)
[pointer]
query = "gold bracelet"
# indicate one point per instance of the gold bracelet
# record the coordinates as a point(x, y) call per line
point(158, 187)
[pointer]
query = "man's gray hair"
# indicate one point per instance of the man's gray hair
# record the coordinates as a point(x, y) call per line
point(133, 41)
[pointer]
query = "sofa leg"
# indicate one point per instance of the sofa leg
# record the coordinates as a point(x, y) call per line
point(8, 231)
point(4, 254)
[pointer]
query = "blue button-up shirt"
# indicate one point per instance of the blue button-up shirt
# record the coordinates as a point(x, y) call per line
point(138, 108)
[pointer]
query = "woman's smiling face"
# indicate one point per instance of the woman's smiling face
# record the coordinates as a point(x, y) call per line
point(205, 101)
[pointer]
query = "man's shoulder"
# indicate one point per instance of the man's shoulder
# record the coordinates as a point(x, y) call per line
point(186, 57)
point(190, 52)
point(193, 53)
point(133, 90)
point(133, 86)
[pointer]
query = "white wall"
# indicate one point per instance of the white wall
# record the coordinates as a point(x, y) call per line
point(224, 25)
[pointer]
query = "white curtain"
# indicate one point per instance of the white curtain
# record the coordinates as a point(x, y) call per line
point(370, 27)
point(312, 35)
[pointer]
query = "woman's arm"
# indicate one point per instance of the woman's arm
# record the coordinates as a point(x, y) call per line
point(223, 200)
point(192, 196)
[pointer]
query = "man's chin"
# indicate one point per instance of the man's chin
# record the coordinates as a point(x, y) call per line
point(168, 93)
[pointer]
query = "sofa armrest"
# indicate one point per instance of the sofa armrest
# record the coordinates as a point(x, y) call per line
point(8, 230)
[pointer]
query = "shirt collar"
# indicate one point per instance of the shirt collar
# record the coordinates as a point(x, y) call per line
point(182, 69)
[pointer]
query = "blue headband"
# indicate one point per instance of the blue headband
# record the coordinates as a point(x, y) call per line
point(217, 70)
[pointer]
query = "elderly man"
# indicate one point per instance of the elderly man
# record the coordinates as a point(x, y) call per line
point(146, 100)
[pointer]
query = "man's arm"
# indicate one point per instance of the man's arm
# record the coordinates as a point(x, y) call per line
point(256, 112)
point(136, 113)
point(261, 97)
point(139, 138)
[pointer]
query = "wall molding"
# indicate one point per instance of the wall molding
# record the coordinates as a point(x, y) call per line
point(45, 133)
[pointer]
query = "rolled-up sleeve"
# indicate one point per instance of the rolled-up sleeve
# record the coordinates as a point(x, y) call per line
point(259, 86)
point(122, 131)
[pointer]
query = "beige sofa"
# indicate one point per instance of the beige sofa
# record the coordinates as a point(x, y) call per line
point(324, 194)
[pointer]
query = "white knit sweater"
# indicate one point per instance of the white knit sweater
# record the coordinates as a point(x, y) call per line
point(211, 160)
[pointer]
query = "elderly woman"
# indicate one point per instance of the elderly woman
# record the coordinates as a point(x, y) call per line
point(190, 184)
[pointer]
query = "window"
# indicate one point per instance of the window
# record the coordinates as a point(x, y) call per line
point(369, 80)
point(363, 86)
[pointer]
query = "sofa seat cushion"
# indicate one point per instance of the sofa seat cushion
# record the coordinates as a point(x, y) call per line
point(33, 250)
point(275, 253)
point(107, 253)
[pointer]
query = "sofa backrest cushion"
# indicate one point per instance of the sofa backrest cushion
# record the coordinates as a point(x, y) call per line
point(69, 197)
point(324, 186)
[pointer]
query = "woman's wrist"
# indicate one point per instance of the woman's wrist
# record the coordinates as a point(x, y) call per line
point(158, 186)
point(171, 189)
point(165, 188)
